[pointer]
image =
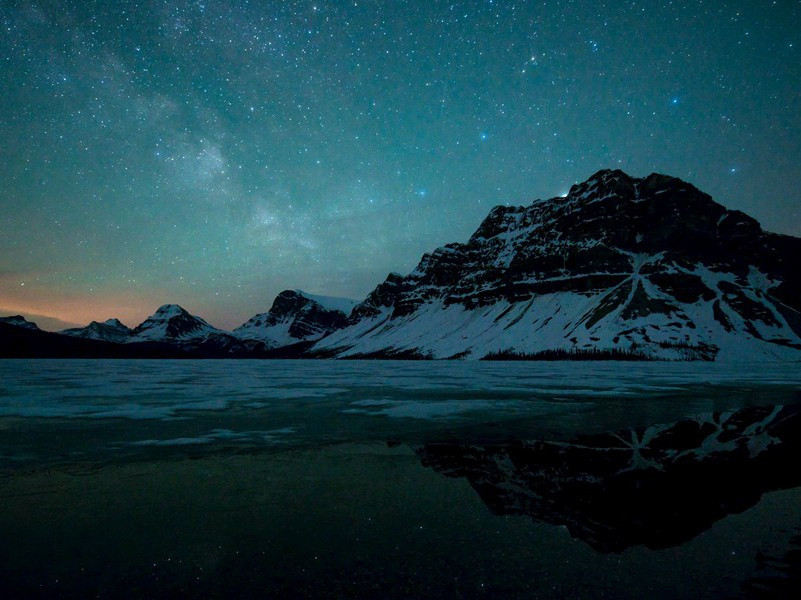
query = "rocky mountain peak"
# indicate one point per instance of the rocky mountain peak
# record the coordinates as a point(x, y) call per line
point(296, 316)
point(116, 323)
point(602, 184)
point(172, 322)
point(111, 330)
point(619, 262)
point(167, 311)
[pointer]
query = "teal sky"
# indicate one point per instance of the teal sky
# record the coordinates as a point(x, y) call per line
point(212, 154)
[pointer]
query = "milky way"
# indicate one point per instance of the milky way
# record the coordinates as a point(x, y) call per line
point(214, 153)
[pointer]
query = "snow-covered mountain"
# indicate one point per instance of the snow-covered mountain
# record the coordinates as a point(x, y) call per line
point(19, 321)
point(296, 316)
point(620, 266)
point(177, 328)
point(111, 330)
point(172, 323)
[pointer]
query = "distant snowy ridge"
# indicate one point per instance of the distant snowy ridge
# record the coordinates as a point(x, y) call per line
point(111, 330)
point(649, 268)
point(294, 317)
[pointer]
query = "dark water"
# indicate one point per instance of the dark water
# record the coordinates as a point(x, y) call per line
point(270, 479)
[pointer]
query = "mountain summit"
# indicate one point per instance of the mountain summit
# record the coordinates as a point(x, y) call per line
point(171, 322)
point(620, 267)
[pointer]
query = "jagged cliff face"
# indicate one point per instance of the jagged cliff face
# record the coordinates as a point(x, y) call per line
point(296, 317)
point(648, 266)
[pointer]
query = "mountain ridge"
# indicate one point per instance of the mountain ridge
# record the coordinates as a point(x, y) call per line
point(620, 267)
point(652, 265)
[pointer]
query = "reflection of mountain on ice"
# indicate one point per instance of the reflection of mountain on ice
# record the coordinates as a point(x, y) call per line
point(659, 486)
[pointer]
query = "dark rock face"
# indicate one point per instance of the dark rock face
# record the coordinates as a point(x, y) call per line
point(293, 317)
point(19, 321)
point(656, 487)
point(644, 252)
point(386, 295)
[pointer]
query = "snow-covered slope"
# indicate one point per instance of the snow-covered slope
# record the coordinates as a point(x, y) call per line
point(646, 267)
point(296, 316)
point(111, 330)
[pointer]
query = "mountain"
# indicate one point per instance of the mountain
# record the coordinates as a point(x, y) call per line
point(171, 332)
point(296, 316)
point(658, 486)
point(621, 267)
point(172, 323)
point(174, 326)
point(19, 321)
point(111, 330)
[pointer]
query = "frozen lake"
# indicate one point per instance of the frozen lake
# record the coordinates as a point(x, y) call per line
point(398, 479)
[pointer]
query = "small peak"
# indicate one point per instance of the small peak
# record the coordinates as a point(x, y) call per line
point(287, 300)
point(115, 323)
point(607, 174)
point(660, 177)
point(604, 180)
point(657, 181)
point(291, 295)
point(169, 310)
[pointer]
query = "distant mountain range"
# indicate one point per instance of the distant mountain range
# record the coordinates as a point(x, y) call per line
point(620, 267)
point(295, 321)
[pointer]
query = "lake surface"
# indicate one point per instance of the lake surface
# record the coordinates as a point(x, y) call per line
point(392, 479)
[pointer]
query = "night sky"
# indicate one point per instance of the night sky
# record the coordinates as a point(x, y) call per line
point(213, 153)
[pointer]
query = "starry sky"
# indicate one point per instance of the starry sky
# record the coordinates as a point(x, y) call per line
point(213, 153)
